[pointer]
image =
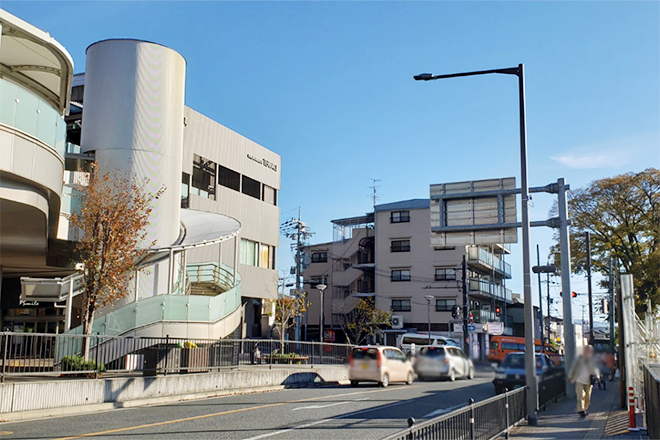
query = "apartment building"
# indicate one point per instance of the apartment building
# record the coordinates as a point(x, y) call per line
point(387, 255)
point(211, 272)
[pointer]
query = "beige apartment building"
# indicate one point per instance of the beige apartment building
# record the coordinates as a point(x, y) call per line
point(387, 255)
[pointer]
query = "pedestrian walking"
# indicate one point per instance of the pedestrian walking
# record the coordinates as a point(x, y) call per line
point(610, 361)
point(584, 372)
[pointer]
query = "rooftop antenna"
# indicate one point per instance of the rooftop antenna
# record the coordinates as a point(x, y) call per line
point(374, 187)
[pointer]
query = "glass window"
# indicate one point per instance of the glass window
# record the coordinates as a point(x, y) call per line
point(399, 216)
point(265, 256)
point(400, 246)
point(185, 190)
point(400, 275)
point(444, 305)
point(365, 354)
point(251, 187)
point(229, 178)
point(432, 351)
point(494, 345)
point(401, 305)
point(443, 274)
point(203, 177)
point(249, 252)
point(270, 195)
point(319, 257)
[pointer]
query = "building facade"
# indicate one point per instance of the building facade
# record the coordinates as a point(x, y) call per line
point(388, 256)
point(211, 272)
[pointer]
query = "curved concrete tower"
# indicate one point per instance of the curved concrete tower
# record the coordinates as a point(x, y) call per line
point(133, 120)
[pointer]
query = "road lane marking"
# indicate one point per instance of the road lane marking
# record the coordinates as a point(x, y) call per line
point(440, 411)
point(329, 404)
point(319, 422)
point(223, 413)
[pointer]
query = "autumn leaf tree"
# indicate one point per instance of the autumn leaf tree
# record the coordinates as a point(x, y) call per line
point(622, 214)
point(113, 218)
point(364, 320)
point(287, 308)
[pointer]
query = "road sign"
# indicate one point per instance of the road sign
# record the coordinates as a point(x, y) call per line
point(474, 212)
point(472, 327)
point(495, 328)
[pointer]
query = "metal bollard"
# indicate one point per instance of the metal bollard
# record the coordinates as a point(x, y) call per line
point(470, 403)
point(506, 411)
point(411, 425)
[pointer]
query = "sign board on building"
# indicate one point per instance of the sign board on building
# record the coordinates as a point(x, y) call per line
point(474, 212)
point(495, 328)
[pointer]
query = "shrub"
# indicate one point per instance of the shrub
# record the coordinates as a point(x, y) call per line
point(78, 363)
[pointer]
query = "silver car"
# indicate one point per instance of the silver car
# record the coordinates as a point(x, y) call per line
point(443, 363)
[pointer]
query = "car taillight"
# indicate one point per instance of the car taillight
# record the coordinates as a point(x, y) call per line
point(380, 359)
point(446, 361)
point(350, 359)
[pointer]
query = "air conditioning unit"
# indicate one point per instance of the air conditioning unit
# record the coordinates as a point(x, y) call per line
point(397, 322)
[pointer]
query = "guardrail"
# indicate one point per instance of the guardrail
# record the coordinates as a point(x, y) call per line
point(40, 354)
point(487, 419)
point(652, 399)
point(552, 388)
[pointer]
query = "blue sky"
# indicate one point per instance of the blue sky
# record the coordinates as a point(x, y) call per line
point(329, 87)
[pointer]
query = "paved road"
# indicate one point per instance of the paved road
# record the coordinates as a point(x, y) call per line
point(338, 412)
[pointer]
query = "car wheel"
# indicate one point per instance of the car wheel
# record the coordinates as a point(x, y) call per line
point(471, 374)
point(354, 383)
point(385, 381)
point(411, 378)
point(452, 376)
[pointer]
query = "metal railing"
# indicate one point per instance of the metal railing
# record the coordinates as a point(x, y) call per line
point(487, 419)
point(552, 388)
point(40, 354)
point(476, 253)
point(652, 399)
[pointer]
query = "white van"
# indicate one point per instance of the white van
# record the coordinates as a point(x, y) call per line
point(405, 341)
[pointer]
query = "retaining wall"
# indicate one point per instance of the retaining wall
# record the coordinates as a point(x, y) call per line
point(23, 400)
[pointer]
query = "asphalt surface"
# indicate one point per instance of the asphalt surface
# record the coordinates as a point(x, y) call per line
point(333, 412)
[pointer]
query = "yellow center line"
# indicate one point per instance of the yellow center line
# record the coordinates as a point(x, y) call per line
point(223, 413)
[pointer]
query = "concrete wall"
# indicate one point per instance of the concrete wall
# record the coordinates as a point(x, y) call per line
point(39, 399)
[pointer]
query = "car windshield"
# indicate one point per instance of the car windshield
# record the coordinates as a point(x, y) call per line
point(365, 353)
point(432, 351)
point(514, 361)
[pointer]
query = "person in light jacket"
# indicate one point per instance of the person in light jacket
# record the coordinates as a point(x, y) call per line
point(584, 372)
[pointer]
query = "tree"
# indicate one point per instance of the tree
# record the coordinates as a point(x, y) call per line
point(364, 320)
point(287, 308)
point(622, 213)
point(113, 217)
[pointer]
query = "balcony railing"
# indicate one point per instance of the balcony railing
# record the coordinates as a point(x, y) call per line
point(486, 258)
point(24, 111)
point(487, 288)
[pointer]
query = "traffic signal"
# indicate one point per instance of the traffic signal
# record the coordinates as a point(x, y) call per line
point(455, 311)
point(471, 318)
point(498, 311)
point(573, 294)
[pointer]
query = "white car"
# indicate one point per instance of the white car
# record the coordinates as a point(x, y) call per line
point(406, 341)
point(443, 362)
point(383, 365)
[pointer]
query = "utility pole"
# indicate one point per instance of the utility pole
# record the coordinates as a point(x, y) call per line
point(611, 310)
point(538, 264)
point(466, 310)
point(547, 285)
point(296, 229)
point(591, 303)
point(564, 244)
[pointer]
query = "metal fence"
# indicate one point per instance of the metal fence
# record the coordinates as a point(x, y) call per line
point(552, 388)
point(487, 419)
point(652, 399)
point(35, 354)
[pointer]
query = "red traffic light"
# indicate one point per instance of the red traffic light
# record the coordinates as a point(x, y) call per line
point(573, 294)
point(498, 310)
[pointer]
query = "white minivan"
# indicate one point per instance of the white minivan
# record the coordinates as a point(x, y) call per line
point(405, 341)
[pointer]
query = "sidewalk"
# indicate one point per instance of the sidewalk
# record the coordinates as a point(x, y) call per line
point(561, 421)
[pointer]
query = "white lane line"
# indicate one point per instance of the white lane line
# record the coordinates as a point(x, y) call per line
point(329, 404)
point(318, 422)
point(441, 411)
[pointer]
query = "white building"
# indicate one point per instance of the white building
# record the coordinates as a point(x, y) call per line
point(212, 270)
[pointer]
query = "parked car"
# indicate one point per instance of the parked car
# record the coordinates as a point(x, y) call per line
point(500, 346)
point(406, 340)
point(383, 365)
point(443, 362)
point(511, 372)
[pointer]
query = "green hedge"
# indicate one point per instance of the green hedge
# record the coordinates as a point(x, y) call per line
point(78, 363)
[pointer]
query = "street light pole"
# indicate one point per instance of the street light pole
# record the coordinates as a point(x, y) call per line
point(321, 288)
point(429, 298)
point(530, 361)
